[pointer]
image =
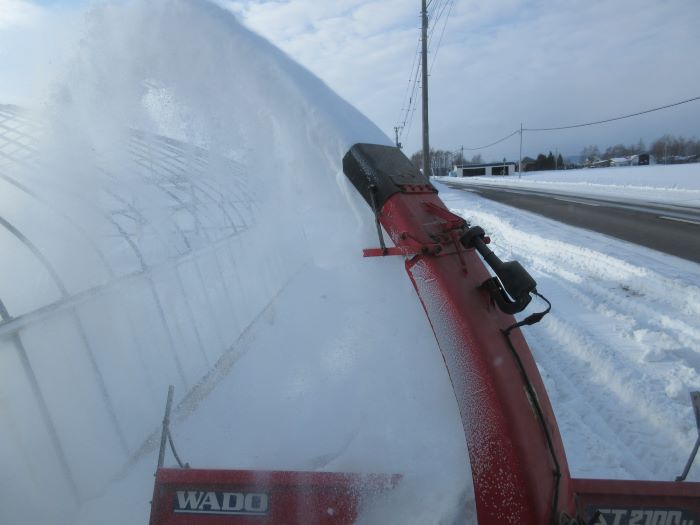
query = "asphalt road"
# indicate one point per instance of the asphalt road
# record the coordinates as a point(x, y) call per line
point(670, 229)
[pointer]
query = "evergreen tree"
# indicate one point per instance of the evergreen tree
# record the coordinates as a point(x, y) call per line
point(590, 154)
point(540, 163)
point(550, 161)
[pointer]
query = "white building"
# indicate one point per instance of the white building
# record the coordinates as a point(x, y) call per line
point(475, 170)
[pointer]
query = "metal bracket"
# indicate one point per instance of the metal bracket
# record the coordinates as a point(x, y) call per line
point(695, 400)
point(383, 252)
point(452, 221)
point(166, 435)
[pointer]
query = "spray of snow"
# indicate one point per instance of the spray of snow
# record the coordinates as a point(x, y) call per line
point(339, 372)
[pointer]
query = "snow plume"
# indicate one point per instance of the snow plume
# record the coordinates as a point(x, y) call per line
point(229, 250)
point(189, 71)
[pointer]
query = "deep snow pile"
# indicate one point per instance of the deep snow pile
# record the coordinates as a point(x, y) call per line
point(673, 184)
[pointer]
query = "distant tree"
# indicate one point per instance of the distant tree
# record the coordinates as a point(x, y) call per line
point(590, 154)
point(476, 159)
point(560, 162)
point(540, 163)
point(694, 146)
point(618, 150)
point(662, 147)
point(441, 161)
point(550, 161)
point(417, 159)
point(640, 147)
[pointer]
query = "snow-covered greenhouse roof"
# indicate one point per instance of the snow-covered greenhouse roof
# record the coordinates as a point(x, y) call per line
point(59, 240)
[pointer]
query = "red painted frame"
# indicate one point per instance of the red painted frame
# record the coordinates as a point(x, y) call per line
point(316, 498)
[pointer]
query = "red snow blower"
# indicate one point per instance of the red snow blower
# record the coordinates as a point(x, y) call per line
point(519, 466)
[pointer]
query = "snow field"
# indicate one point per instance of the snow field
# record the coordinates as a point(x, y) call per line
point(677, 185)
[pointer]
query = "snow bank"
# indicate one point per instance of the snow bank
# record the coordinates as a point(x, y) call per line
point(673, 184)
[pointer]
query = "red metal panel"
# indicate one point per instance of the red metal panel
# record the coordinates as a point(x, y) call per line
point(512, 466)
point(243, 497)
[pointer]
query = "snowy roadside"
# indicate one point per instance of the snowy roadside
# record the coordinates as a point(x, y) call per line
point(621, 349)
point(676, 185)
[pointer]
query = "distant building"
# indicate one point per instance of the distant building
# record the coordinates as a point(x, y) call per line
point(643, 159)
point(621, 161)
point(528, 163)
point(476, 170)
point(601, 164)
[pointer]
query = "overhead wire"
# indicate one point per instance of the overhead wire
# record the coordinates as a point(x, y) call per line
point(434, 18)
point(442, 33)
point(407, 109)
point(615, 118)
point(414, 98)
point(494, 143)
point(435, 15)
point(572, 126)
point(409, 88)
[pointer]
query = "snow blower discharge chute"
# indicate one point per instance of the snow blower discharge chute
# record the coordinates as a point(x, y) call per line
point(517, 457)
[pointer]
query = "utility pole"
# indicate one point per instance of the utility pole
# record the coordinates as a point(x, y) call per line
point(426, 134)
point(520, 162)
point(396, 132)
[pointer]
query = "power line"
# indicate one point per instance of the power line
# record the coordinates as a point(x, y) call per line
point(588, 123)
point(410, 110)
point(409, 87)
point(442, 33)
point(615, 118)
point(494, 143)
point(407, 111)
point(431, 12)
point(435, 18)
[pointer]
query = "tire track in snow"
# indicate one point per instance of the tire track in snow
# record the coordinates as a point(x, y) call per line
point(621, 349)
point(606, 362)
